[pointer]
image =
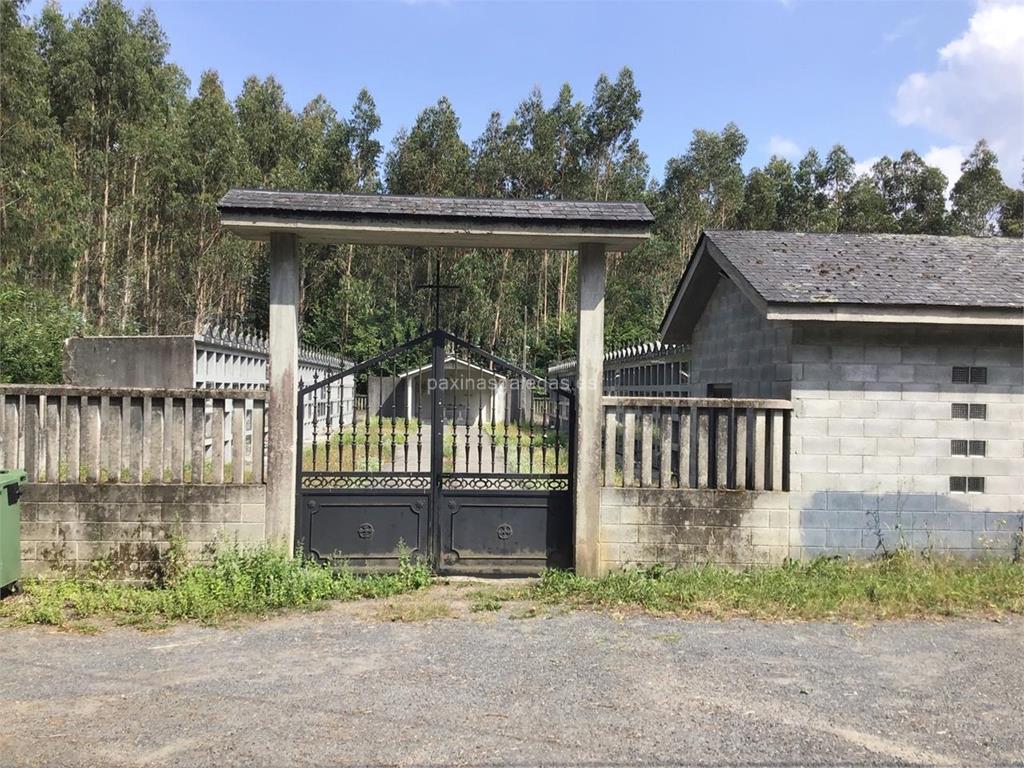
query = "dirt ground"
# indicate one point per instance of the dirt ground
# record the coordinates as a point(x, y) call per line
point(449, 677)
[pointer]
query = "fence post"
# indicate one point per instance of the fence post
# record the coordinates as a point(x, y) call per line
point(610, 440)
point(665, 465)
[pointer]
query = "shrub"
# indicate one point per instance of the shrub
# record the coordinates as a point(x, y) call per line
point(33, 326)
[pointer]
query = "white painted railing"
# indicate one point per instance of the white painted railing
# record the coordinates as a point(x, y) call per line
point(69, 434)
point(658, 442)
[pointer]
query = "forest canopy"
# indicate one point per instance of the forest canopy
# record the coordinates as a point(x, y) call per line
point(112, 167)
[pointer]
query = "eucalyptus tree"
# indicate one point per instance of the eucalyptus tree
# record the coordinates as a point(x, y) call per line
point(609, 122)
point(864, 209)
point(40, 200)
point(267, 128)
point(813, 212)
point(835, 181)
point(113, 95)
point(760, 207)
point(1011, 214)
point(213, 159)
point(914, 191)
point(979, 194)
point(497, 160)
point(703, 189)
point(430, 158)
point(364, 148)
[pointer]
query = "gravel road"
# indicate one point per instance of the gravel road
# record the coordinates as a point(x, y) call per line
point(345, 687)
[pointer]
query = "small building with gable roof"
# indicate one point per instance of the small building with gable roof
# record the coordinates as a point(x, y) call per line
point(902, 356)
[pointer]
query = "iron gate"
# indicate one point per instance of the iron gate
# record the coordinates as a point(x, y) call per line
point(458, 457)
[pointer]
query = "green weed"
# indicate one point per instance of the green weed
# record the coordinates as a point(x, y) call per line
point(485, 601)
point(236, 582)
point(900, 585)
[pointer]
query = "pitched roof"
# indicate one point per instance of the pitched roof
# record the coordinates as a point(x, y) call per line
point(894, 270)
point(444, 208)
point(855, 277)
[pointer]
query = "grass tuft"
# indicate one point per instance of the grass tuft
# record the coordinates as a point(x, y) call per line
point(900, 585)
point(237, 582)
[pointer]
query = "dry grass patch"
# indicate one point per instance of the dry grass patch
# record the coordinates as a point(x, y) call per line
point(423, 609)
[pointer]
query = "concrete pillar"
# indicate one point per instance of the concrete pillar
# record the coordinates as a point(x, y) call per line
point(282, 392)
point(589, 413)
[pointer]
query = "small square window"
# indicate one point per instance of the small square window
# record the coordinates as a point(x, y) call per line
point(975, 484)
point(979, 411)
point(961, 374)
point(979, 375)
point(958, 484)
point(958, 410)
point(957, 447)
point(976, 448)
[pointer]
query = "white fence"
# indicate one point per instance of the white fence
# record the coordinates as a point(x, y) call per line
point(69, 434)
point(659, 442)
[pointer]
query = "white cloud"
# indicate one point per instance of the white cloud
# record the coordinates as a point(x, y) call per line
point(977, 89)
point(783, 147)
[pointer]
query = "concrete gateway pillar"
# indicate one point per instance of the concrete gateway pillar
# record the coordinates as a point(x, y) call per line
point(282, 389)
point(589, 411)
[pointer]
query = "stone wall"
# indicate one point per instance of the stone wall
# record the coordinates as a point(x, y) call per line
point(676, 527)
point(74, 524)
point(734, 343)
point(873, 422)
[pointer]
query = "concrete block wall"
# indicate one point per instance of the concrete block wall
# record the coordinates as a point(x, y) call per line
point(734, 343)
point(872, 430)
point(132, 525)
point(646, 526)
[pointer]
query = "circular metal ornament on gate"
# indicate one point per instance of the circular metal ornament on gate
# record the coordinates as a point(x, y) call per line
point(365, 531)
point(504, 531)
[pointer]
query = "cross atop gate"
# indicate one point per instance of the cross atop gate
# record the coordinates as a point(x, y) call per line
point(437, 286)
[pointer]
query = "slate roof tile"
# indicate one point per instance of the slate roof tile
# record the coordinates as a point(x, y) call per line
point(913, 270)
point(476, 209)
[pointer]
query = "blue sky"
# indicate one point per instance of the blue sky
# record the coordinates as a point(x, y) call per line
point(878, 77)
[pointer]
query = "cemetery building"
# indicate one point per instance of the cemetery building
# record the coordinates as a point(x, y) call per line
point(902, 358)
point(474, 394)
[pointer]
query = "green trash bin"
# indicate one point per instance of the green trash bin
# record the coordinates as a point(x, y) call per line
point(11, 482)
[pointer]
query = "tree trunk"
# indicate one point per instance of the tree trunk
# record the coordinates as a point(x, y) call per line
point(544, 283)
point(104, 219)
point(501, 294)
point(348, 294)
point(126, 302)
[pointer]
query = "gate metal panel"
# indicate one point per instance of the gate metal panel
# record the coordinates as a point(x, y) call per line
point(505, 533)
point(368, 531)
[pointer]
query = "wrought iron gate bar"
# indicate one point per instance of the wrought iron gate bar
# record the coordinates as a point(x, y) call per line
point(504, 483)
point(369, 363)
